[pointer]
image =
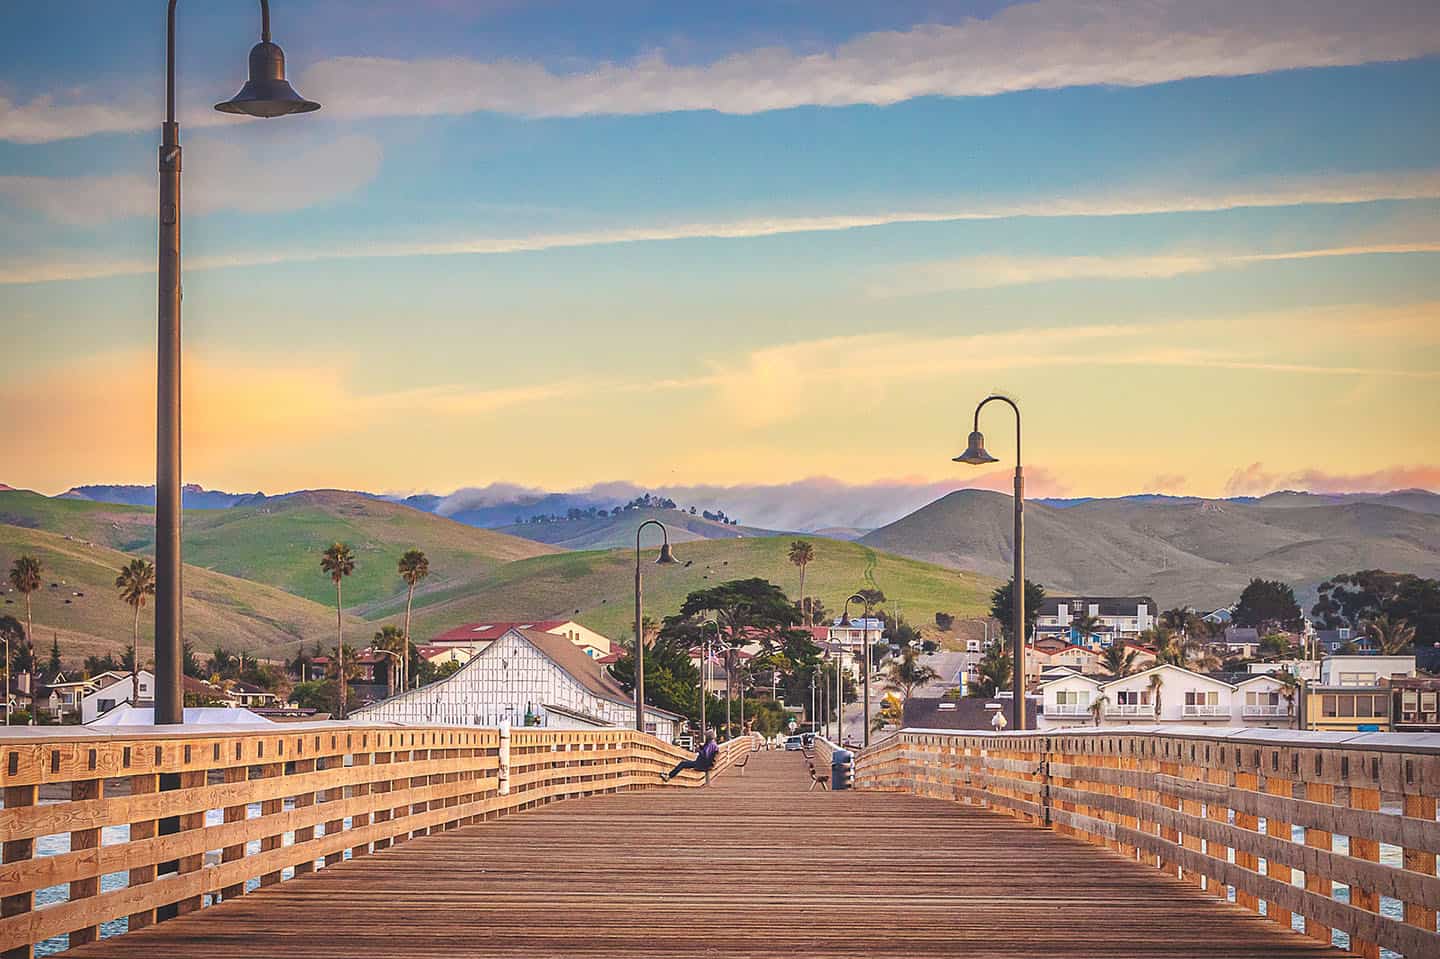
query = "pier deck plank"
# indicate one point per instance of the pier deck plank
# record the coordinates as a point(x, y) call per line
point(755, 865)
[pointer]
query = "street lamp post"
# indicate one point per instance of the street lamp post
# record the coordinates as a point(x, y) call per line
point(265, 94)
point(705, 672)
point(865, 653)
point(666, 558)
point(975, 455)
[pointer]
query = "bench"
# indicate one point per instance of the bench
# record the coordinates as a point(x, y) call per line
point(740, 763)
point(817, 780)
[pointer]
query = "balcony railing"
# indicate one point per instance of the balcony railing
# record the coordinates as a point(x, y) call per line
point(1206, 711)
point(1066, 709)
point(1266, 712)
point(1130, 709)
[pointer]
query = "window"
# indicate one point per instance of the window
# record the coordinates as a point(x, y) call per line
point(1329, 706)
point(1133, 697)
point(1072, 697)
point(1262, 698)
point(1199, 697)
point(105, 705)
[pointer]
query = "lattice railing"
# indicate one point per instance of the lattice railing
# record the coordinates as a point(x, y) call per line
point(1239, 815)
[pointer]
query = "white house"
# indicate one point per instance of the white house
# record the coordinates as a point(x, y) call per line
point(479, 635)
point(1120, 618)
point(1165, 693)
point(526, 676)
point(66, 694)
point(112, 689)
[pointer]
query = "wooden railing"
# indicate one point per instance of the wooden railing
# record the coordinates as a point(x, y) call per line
point(117, 831)
point(1193, 806)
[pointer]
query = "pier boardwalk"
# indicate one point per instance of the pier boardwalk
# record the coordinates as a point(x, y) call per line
point(753, 865)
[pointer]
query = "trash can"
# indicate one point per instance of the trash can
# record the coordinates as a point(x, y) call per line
point(841, 766)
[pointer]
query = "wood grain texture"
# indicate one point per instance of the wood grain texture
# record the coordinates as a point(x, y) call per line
point(754, 866)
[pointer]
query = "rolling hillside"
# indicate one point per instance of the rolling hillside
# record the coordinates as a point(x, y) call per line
point(278, 540)
point(603, 532)
point(597, 588)
point(219, 609)
point(1200, 552)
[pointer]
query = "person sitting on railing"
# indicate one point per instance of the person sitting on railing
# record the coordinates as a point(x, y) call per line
point(703, 762)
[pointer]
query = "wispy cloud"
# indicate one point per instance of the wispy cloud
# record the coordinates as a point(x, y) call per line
point(1256, 479)
point(220, 176)
point(1296, 191)
point(1041, 45)
point(985, 272)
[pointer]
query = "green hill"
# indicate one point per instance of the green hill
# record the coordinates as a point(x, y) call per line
point(277, 541)
point(219, 610)
point(597, 588)
point(603, 532)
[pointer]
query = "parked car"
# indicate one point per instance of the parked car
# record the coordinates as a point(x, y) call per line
point(808, 739)
point(794, 744)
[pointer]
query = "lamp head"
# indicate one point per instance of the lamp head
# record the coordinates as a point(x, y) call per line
point(267, 93)
point(666, 557)
point(975, 453)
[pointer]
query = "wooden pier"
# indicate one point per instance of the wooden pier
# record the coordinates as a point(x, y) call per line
point(754, 865)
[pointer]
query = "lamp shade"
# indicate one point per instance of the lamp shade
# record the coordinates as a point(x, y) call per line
point(666, 557)
point(975, 453)
point(267, 93)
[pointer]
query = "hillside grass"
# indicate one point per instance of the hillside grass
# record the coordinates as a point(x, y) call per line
point(220, 610)
point(278, 542)
point(597, 588)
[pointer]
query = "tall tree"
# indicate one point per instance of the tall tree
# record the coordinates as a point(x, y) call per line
point(1119, 660)
point(907, 674)
point(1392, 636)
point(338, 561)
point(1002, 606)
point(25, 576)
point(55, 667)
point(1352, 599)
point(392, 640)
point(1167, 644)
point(1086, 626)
point(413, 566)
point(1156, 687)
point(802, 554)
point(995, 670)
point(1268, 604)
point(136, 584)
point(1290, 690)
point(12, 635)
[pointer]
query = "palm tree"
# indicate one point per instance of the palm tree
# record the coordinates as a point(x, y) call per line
point(802, 554)
point(413, 566)
point(338, 561)
point(1168, 646)
point(1086, 626)
point(1157, 685)
point(1097, 706)
point(136, 584)
point(1118, 660)
point(392, 639)
point(907, 674)
point(1290, 689)
point(342, 668)
point(1392, 636)
point(25, 575)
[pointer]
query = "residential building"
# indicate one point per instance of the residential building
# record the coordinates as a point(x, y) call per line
point(1415, 705)
point(1166, 694)
point(857, 633)
point(478, 635)
point(524, 677)
point(964, 712)
point(64, 695)
point(1220, 617)
point(1355, 693)
point(113, 688)
point(1121, 618)
point(1306, 669)
point(1242, 641)
point(1046, 655)
point(439, 655)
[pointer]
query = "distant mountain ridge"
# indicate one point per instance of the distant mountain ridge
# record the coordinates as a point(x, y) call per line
point(1181, 551)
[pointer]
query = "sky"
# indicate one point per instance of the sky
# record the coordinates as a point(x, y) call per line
point(743, 244)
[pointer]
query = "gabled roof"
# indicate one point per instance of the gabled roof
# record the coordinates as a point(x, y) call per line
point(1160, 666)
point(583, 669)
point(1109, 605)
point(491, 631)
point(1060, 679)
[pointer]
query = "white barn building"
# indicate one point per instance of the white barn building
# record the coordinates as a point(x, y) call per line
point(526, 676)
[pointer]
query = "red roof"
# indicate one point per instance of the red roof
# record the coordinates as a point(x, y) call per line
point(489, 632)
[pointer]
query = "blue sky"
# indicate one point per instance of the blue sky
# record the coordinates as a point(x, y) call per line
point(561, 243)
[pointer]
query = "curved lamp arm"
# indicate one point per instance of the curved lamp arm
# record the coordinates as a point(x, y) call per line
point(1011, 403)
point(170, 52)
point(664, 531)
